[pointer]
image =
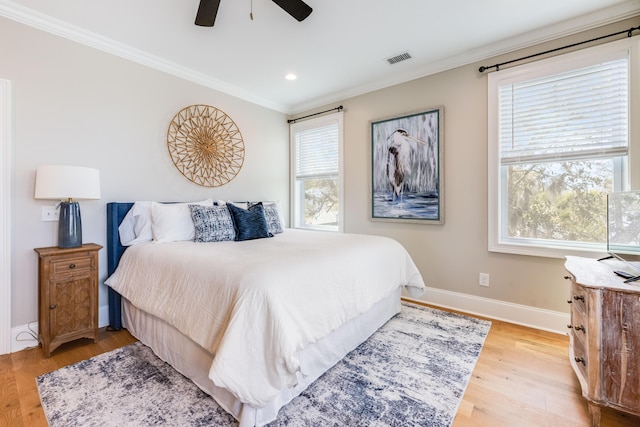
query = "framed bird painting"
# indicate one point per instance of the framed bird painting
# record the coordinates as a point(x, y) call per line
point(406, 168)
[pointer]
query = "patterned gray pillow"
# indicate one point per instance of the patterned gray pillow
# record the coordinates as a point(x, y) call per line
point(271, 215)
point(212, 223)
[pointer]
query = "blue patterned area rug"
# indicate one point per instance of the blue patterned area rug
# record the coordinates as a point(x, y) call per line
point(412, 372)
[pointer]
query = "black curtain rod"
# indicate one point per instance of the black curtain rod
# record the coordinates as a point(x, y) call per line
point(497, 66)
point(315, 114)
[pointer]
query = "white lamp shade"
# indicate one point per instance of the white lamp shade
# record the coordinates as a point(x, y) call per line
point(67, 182)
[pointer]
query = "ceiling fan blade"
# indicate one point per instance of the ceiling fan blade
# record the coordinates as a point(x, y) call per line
point(207, 12)
point(296, 8)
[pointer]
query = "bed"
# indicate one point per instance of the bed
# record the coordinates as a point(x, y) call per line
point(254, 322)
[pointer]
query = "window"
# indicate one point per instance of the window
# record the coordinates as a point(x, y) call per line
point(316, 171)
point(559, 141)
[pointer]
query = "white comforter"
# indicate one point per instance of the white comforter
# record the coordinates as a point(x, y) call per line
point(254, 304)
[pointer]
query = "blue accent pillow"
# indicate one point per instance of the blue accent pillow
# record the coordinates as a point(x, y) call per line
point(249, 223)
point(212, 223)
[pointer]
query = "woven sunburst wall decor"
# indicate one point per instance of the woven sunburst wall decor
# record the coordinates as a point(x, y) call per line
point(205, 145)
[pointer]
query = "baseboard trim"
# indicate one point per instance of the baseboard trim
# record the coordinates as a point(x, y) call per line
point(537, 318)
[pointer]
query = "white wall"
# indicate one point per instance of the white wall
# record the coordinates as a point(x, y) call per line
point(77, 105)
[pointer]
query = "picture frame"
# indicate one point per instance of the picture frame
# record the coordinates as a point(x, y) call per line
point(407, 168)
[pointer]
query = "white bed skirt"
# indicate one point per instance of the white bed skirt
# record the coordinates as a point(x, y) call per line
point(194, 362)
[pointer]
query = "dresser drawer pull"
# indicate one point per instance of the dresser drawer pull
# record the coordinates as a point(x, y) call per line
point(567, 277)
point(580, 328)
point(569, 301)
point(569, 326)
point(52, 306)
point(72, 265)
point(580, 360)
point(578, 298)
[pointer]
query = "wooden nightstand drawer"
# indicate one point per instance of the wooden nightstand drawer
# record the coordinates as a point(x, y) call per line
point(71, 265)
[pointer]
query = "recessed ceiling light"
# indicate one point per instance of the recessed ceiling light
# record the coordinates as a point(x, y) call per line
point(290, 76)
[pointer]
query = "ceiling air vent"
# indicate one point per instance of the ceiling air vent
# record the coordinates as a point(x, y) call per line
point(398, 58)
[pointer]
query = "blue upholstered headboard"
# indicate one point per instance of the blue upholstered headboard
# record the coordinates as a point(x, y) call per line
point(115, 213)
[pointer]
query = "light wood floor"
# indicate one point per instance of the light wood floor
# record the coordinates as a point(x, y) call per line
point(522, 378)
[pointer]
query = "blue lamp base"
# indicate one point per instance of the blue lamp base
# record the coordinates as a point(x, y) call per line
point(69, 225)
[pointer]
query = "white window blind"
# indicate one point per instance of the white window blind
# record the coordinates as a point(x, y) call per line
point(582, 113)
point(316, 173)
point(317, 152)
point(560, 137)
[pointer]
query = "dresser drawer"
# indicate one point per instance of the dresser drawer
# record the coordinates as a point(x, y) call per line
point(579, 353)
point(579, 327)
point(579, 322)
point(578, 299)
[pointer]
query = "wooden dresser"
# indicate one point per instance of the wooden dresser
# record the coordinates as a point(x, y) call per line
point(604, 335)
point(67, 295)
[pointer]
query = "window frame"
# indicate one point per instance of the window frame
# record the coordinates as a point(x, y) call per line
point(626, 177)
point(297, 197)
point(6, 106)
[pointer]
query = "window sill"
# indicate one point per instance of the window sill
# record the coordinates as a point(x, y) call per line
point(549, 250)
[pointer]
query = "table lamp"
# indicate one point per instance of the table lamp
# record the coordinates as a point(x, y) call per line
point(66, 183)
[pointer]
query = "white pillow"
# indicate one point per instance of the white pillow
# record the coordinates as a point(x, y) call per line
point(136, 225)
point(172, 222)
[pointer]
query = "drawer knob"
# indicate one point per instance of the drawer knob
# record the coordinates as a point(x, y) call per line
point(580, 328)
point(569, 301)
point(72, 265)
point(578, 298)
point(52, 306)
point(580, 360)
point(567, 277)
point(569, 326)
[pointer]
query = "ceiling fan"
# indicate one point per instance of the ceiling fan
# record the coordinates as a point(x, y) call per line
point(208, 10)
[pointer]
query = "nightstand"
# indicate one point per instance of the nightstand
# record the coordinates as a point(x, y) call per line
point(67, 295)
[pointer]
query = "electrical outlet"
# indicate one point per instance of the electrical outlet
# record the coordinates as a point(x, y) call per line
point(483, 280)
point(50, 213)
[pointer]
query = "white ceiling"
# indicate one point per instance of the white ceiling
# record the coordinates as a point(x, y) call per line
point(339, 51)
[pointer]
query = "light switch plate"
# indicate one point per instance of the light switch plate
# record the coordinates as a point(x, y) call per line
point(50, 213)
